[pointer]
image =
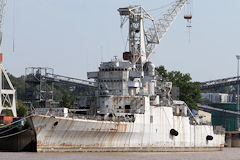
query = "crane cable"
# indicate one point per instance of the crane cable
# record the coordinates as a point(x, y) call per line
point(188, 17)
point(160, 8)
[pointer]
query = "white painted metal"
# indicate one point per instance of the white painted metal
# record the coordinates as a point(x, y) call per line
point(2, 11)
point(70, 134)
point(142, 39)
point(163, 24)
point(8, 94)
point(138, 16)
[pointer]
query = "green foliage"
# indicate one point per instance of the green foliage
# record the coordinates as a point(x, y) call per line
point(19, 85)
point(7, 112)
point(21, 109)
point(61, 92)
point(162, 72)
point(189, 91)
point(67, 100)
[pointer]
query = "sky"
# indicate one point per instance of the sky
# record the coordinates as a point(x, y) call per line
point(74, 36)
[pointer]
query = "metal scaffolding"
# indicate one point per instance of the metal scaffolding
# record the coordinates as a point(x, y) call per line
point(220, 83)
point(39, 85)
point(8, 93)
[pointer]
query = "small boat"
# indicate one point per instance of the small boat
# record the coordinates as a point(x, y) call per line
point(16, 135)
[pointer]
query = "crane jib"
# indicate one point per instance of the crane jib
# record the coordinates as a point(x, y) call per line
point(143, 40)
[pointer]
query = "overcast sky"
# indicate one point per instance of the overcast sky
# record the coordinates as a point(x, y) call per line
point(73, 36)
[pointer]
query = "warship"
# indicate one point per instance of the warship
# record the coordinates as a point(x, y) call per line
point(132, 109)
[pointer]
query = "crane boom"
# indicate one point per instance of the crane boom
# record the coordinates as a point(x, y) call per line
point(2, 12)
point(142, 39)
point(163, 24)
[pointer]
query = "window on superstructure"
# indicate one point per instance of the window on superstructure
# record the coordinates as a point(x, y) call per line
point(127, 108)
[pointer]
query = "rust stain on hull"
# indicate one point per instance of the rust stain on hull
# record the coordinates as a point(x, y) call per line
point(83, 135)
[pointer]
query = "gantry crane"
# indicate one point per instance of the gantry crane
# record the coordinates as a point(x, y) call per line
point(142, 39)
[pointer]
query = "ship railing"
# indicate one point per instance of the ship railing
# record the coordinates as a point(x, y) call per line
point(134, 111)
point(85, 117)
point(129, 111)
point(101, 118)
point(68, 115)
point(89, 117)
point(50, 113)
point(120, 116)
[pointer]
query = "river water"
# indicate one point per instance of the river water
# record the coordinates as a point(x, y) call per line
point(226, 154)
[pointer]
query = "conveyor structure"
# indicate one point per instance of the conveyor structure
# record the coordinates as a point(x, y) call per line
point(219, 83)
point(40, 85)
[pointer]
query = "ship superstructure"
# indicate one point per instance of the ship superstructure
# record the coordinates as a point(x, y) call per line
point(122, 90)
point(132, 109)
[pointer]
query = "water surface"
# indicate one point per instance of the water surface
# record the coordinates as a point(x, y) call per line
point(226, 154)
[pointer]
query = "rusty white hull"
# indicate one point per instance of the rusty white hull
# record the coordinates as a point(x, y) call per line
point(145, 134)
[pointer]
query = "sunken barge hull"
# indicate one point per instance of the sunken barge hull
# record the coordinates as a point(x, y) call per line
point(149, 132)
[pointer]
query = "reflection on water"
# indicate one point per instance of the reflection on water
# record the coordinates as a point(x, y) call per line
point(226, 154)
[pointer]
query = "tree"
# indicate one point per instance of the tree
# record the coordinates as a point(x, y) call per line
point(21, 109)
point(19, 85)
point(162, 72)
point(189, 91)
point(67, 100)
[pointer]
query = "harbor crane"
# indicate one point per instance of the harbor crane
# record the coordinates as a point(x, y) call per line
point(143, 40)
point(2, 12)
point(7, 91)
